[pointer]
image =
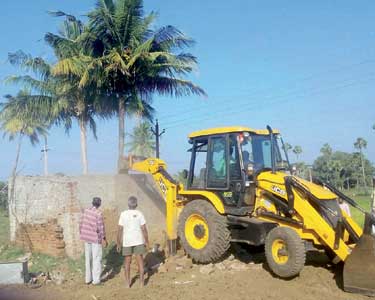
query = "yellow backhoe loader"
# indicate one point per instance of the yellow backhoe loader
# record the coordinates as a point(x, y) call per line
point(241, 188)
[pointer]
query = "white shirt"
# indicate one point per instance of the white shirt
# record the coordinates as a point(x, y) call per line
point(131, 220)
point(345, 207)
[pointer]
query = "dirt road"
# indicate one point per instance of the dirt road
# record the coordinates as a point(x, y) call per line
point(249, 281)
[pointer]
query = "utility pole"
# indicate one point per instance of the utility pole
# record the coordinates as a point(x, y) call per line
point(157, 135)
point(45, 155)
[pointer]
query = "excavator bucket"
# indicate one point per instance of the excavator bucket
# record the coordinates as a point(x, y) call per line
point(359, 268)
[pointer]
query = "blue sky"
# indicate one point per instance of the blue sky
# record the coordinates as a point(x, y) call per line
point(305, 67)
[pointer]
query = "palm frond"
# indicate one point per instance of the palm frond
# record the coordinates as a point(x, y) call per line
point(63, 47)
point(169, 38)
point(92, 125)
point(128, 17)
point(60, 13)
point(116, 62)
point(70, 66)
point(141, 140)
point(25, 61)
point(41, 86)
point(173, 87)
point(16, 118)
point(102, 23)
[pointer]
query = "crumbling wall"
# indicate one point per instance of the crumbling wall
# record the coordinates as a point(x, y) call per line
point(46, 238)
point(40, 200)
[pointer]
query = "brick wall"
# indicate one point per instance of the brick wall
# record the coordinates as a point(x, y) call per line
point(42, 201)
point(46, 238)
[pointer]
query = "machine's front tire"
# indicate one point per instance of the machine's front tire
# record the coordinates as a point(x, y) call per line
point(203, 232)
point(285, 252)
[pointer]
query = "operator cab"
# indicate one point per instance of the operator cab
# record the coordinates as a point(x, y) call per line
point(227, 161)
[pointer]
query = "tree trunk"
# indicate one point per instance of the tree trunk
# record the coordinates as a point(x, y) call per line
point(13, 180)
point(14, 171)
point(82, 126)
point(45, 155)
point(11, 201)
point(363, 170)
point(121, 133)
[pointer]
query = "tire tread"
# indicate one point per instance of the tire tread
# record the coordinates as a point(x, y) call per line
point(219, 234)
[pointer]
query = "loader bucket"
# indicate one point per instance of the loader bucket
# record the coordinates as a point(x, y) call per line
point(359, 267)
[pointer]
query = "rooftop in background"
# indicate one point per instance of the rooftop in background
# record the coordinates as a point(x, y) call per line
point(221, 130)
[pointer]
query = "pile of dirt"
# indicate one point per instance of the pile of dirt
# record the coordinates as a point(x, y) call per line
point(178, 278)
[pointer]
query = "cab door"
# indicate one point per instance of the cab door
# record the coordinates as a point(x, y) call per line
point(198, 170)
point(236, 181)
point(224, 174)
point(217, 163)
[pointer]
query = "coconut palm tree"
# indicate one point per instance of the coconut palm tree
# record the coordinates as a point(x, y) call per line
point(287, 147)
point(60, 97)
point(361, 144)
point(17, 123)
point(142, 141)
point(132, 61)
point(297, 150)
point(326, 150)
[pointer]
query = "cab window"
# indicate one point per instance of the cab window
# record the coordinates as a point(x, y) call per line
point(234, 158)
point(217, 171)
point(198, 176)
point(261, 152)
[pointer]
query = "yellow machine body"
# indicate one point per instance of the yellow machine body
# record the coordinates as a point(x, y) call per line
point(277, 199)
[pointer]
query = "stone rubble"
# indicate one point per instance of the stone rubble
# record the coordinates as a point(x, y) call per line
point(207, 269)
point(184, 263)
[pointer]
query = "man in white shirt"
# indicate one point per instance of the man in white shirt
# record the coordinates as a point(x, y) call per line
point(132, 238)
point(345, 207)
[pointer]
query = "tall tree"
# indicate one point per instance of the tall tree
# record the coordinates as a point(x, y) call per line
point(326, 150)
point(361, 144)
point(180, 177)
point(59, 96)
point(133, 61)
point(15, 125)
point(342, 169)
point(142, 141)
point(297, 150)
point(287, 147)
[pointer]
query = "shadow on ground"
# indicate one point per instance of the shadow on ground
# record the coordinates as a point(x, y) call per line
point(247, 254)
point(113, 262)
point(250, 254)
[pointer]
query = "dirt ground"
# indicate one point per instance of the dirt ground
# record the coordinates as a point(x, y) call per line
point(318, 280)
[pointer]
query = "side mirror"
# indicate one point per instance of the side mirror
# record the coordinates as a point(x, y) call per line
point(185, 174)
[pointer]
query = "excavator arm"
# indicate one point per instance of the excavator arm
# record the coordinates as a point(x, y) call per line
point(168, 188)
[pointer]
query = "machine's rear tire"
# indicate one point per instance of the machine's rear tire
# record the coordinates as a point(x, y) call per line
point(285, 252)
point(203, 232)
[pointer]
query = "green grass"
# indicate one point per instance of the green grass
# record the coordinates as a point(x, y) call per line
point(364, 201)
point(4, 227)
point(46, 263)
point(38, 262)
point(11, 253)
